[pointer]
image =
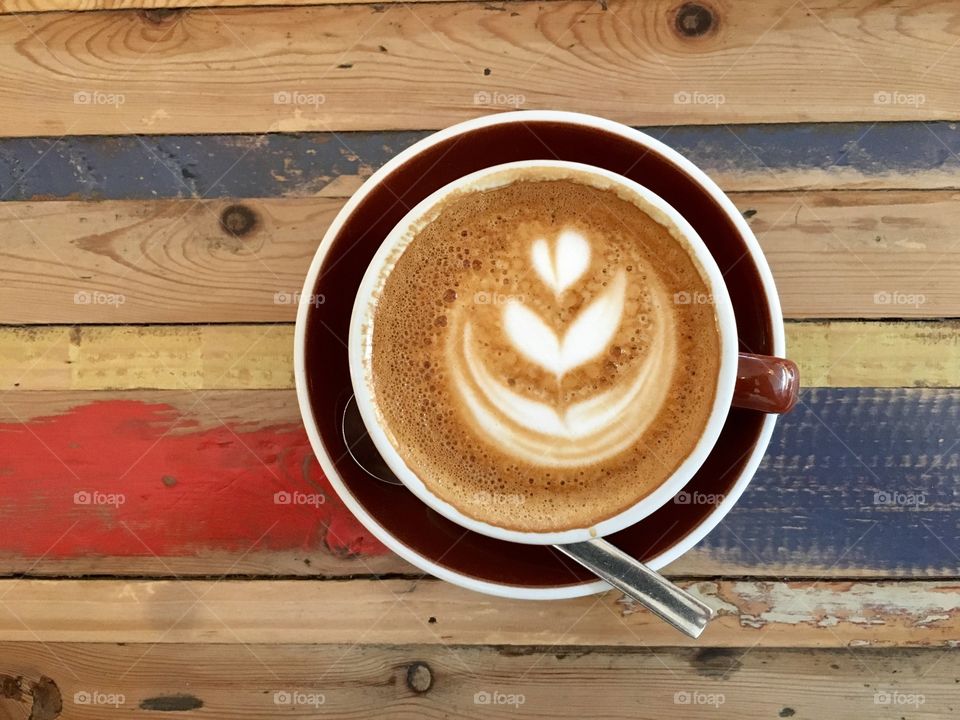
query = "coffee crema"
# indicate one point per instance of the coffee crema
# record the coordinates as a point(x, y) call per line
point(544, 353)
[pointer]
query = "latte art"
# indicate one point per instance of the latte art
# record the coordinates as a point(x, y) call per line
point(596, 427)
point(525, 344)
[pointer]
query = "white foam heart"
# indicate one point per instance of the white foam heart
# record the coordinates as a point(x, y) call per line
point(586, 338)
point(568, 262)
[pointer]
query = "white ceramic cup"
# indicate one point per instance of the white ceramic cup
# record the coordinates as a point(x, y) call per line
point(363, 321)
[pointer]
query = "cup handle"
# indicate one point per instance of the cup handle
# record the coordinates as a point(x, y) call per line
point(765, 383)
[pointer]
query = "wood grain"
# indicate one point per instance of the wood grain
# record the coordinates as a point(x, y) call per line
point(260, 357)
point(834, 254)
point(749, 613)
point(198, 472)
point(25, 6)
point(203, 71)
point(433, 682)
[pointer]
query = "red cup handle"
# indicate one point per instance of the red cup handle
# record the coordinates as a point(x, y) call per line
point(765, 383)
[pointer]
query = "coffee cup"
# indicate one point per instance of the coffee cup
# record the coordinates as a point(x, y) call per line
point(737, 379)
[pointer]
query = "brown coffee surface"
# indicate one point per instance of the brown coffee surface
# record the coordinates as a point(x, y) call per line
point(544, 354)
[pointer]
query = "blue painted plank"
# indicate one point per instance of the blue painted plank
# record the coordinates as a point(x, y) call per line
point(855, 478)
point(171, 166)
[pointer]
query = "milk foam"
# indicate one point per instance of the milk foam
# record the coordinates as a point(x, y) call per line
point(597, 427)
point(529, 359)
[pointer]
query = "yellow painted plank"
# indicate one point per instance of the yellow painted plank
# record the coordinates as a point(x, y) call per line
point(403, 66)
point(249, 357)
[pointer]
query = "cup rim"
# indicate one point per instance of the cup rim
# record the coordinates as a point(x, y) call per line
point(496, 176)
point(641, 139)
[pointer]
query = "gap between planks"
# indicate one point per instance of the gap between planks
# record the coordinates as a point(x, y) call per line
point(749, 613)
point(256, 357)
point(629, 61)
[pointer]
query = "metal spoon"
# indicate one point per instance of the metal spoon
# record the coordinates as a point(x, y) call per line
point(685, 612)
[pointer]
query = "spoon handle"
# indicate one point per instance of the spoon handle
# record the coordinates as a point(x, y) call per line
point(686, 613)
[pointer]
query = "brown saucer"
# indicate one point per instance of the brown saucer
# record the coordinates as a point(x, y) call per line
point(395, 510)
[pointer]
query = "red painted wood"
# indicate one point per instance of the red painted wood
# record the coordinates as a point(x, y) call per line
point(160, 482)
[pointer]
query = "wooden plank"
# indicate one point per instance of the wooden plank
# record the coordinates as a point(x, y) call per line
point(200, 71)
point(834, 254)
point(260, 357)
point(397, 611)
point(198, 472)
point(781, 157)
point(32, 6)
point(423, 681)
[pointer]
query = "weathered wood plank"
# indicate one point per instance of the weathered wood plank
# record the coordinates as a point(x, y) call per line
point(198, 472)
point(782, 157)
point(834, 254)
point(427, 681)
point(25, 6)
point(202, 71)
point(260, 357)
point(398, 611)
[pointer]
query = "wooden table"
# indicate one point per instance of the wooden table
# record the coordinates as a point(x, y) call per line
point(160, 206)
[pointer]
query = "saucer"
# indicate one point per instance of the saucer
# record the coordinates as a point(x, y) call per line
point(392, 513)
